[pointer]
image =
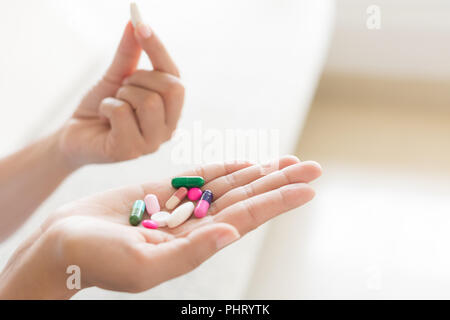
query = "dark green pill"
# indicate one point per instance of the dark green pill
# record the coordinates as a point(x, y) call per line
point(188, 182)
point(137, 212)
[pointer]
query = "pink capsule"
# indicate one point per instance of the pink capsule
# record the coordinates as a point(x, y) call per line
point(152, 204)
point(203, 205)
point(194, 194)
point(202, 209)
point(150, 224)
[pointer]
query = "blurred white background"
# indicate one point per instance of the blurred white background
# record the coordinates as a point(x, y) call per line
point(246, 65)
point(411, 41)
point(380, 127)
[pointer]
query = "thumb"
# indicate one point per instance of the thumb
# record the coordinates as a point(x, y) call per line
point(126, 58)
point(182, 255)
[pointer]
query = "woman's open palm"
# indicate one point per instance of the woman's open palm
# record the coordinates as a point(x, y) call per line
point(96, 236)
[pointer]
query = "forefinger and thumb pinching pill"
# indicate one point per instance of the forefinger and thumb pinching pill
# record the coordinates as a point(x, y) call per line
point(188, 182)
point(203, 205)
point(176, 198)
point(180, 215)
point(137, 212)
point(194, 194)
point(152, 204)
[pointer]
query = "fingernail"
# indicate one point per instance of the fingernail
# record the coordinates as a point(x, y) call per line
point(144, 30)
point(226, 239)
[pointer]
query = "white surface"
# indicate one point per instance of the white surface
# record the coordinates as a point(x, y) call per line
point(379, 225)
point(412, 41)
point(378, 234)
point(246, 65)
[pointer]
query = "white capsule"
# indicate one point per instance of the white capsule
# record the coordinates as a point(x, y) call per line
point(161, 217)
point(135, 14)
point(180, 214)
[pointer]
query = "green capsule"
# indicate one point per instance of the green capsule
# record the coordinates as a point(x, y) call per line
point(188, 182)
point(137, 212)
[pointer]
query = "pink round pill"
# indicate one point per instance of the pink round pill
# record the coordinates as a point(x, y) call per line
point(194, 194)
point(151, 204)
point(150, 224)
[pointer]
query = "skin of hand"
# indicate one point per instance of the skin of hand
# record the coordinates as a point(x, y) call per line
point(94, 233)
point(27, 178)
point(129, 112)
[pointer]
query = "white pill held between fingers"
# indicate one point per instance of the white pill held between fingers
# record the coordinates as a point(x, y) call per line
point(135, 14)
point(161, 217)
point(181, 214)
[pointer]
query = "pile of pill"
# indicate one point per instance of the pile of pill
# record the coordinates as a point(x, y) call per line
point(186, 187)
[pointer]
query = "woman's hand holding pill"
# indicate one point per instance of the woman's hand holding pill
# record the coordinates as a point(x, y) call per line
point(95, 233)
point(130, 112)
point(127, 114)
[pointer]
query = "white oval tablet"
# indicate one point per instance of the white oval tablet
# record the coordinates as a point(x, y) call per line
point(161, 217)
point(135, 14)
point(180, 214)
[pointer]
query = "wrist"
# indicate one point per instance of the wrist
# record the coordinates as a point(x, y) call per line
point(37, 273)
point(63, 161)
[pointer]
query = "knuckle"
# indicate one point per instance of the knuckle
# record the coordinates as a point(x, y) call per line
point(200, 171)
point(105, 101)
point(168, 136)
point(120, 111)
point(146, 146)
point(152, 147)
point(152, 100)
point(249, 190)
point(126, 154)
point(171, 129)
point(155, 147)
point(110, 101)
point(251, 213)
point(130, 156)
point(175, 87)
point(116, 106)
point(123, 91)
point(135, 153)
point(231, 180)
